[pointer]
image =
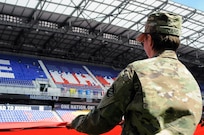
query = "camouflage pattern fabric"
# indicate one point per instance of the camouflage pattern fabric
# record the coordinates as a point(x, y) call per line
point(156, 96)
point(166, 23)
point(162, 23)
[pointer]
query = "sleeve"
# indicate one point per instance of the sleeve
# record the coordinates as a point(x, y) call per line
point(111, 108)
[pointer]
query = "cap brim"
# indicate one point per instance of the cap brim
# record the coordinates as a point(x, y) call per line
point(141, 37)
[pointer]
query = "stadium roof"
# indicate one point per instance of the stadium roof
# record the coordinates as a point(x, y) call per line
point(95, 31)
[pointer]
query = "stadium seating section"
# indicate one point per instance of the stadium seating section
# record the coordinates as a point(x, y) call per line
point(37, 113)
point(27, 116)
point(20, 71)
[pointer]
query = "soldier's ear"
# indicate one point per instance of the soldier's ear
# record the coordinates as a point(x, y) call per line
point(150, 41)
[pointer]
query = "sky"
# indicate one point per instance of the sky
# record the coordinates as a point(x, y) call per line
point(197, 4)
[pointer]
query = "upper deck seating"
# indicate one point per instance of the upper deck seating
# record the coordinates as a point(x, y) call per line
point(73, 79)
point(19, 71)
point(105, 75)
point(70, 74)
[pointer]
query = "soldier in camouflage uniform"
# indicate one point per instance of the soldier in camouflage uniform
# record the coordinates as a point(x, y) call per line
point(156, 96)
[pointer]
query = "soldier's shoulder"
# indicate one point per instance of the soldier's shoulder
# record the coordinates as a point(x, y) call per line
point(142, 63)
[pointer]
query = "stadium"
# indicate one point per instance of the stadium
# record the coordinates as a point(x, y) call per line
point(59, 57)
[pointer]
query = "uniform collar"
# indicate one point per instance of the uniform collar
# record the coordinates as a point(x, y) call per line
point(168, 54)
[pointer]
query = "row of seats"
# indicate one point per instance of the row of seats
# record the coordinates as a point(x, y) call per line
point(27, 116)
point(39, 116)
point(16, 83)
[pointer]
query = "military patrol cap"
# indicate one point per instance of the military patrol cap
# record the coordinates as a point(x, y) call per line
point(162, 23)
